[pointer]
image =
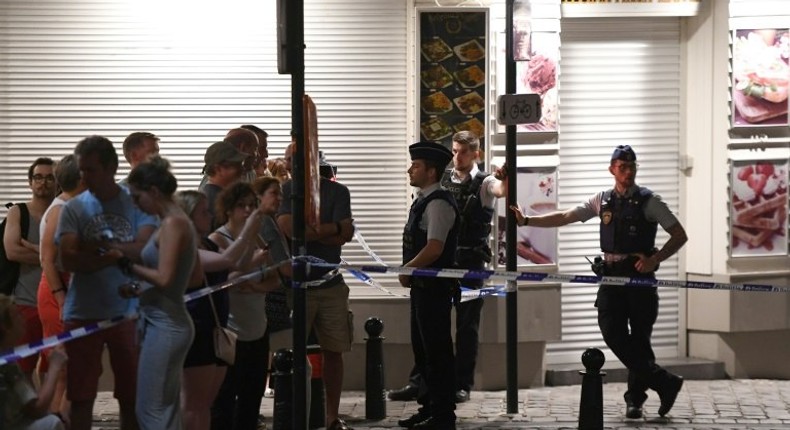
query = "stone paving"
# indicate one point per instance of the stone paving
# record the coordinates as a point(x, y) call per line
point(719, 404)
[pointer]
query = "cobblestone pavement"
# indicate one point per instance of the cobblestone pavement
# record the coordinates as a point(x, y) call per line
point(719, 404)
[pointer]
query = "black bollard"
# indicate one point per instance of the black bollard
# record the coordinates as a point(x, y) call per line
point(591, 406)
point(3, 396)
point(283, 390)
point(375, 396)
point(317, 418)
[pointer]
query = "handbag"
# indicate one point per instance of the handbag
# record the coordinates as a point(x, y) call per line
point(224, 338)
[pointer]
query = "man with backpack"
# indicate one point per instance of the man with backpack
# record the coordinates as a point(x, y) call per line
point(20, 242)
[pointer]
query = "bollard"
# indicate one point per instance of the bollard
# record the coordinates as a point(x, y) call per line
point(3, 395)
point(317, 418)
point(375, 396)
point(591, 406)
point(283, 390)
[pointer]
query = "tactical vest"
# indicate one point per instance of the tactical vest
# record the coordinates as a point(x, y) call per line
point(415, 239)
point(475, 226)
point(624, 228)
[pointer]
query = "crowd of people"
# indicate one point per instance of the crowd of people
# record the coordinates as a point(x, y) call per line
point(90, 249)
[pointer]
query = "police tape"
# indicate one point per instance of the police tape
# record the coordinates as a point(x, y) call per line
point(21, 351)
point(556, 277)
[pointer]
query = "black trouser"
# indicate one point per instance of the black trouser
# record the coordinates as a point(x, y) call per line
point(432, 345)
point(467, 337)
point(238, 402)
point(623, 307)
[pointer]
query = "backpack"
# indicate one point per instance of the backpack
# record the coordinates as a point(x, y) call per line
point(9, 270)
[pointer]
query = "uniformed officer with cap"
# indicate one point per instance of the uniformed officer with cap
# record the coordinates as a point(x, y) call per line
point(429, 240)
point(629, 216)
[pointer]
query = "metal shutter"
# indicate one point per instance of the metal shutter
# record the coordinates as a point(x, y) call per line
point(620, 85)
point(190, 71)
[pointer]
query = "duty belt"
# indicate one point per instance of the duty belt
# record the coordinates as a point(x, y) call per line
point(614, 258)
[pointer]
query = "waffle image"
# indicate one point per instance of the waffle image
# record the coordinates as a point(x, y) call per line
point(756, 222)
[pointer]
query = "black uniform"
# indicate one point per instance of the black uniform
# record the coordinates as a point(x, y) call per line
point(624, 230)
point(430, 314)
point(474, 253)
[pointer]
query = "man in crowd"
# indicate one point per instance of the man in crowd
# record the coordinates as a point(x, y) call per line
point(475, 194)
point(101, 218)
point(430, 238)
point(261, 152)
point(22, 247)
point(629, 215)
point(328, 313)
point(223, 167)
point(138, 147)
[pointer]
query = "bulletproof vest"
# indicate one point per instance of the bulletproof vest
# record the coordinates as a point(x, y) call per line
point(415, 239)
point(475, 226)
point(624, 228)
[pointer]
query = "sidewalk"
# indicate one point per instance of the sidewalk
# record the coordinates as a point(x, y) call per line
point(718, 404)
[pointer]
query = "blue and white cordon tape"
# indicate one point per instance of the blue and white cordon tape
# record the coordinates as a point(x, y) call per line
point(22, 351)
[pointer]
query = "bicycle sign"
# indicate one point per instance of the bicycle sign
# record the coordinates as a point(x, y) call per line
point(513, 109)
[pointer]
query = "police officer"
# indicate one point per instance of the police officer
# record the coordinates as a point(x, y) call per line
point(629, 217)
point(475, 194)
point(429, 240)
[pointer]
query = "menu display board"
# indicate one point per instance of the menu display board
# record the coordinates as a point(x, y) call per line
point(760, 76)
point(453, 58)
point(758, 208)
point(537, 194)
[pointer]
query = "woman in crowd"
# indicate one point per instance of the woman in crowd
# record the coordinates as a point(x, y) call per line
point(239, 399)
point(203, 371)
point(170, 266)
point(278, 314)
point(24, 409)
point(52, 288)
point(279, 169)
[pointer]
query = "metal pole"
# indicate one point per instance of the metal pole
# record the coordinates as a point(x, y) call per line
point(511, 299)
point(295, 20)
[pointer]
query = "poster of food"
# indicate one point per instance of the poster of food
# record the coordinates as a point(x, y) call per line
point(758, 208)
point(539, 76)
point(452, 73)
point(760, 75)
point(537, 195)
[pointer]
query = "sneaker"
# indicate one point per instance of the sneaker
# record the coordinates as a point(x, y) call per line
point(269, 393)
point(461, 396)
point(338, 424)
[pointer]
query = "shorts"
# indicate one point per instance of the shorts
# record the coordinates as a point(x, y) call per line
point(329, 315)
point(48, 309)
point(201, 352)
point(85, 361)
point(33, 333)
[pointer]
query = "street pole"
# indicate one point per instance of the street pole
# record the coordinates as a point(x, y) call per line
point(295, 33)
point(511, 298)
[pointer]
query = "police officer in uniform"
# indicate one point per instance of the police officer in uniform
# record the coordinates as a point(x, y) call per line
point(475, 194)
point(429, 240)
point(629, 217)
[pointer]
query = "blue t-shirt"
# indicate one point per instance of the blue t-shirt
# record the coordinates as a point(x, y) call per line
point(94, 295)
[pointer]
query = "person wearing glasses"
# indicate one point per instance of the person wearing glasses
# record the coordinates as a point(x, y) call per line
point(23, 248)
point(629, 217)
point(239, 399)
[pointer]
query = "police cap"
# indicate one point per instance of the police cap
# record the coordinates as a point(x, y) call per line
point(624, 152)
point(431, 151)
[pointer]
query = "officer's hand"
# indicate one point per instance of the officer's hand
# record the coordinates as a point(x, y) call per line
point(405, 281)
point(645, 264)
point(516, 208)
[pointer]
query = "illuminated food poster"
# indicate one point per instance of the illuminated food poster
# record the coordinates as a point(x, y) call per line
point(758, 208)
point(760, 76)
point(452, 74)
point(539, 75)
point(537, 195)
